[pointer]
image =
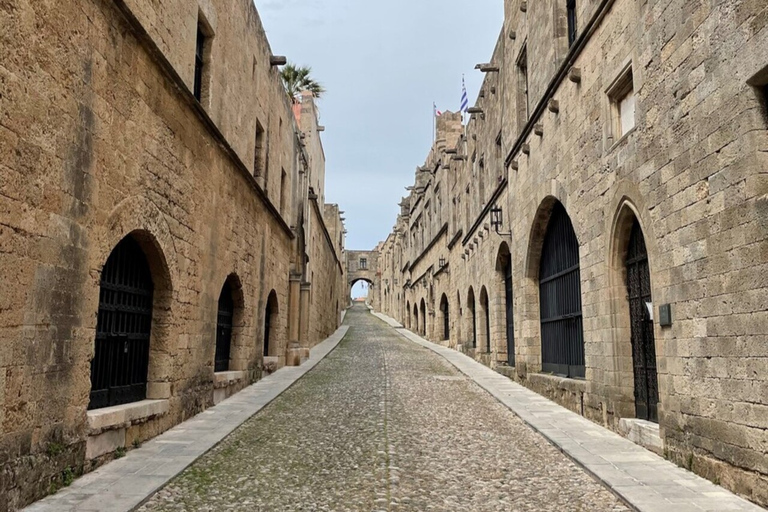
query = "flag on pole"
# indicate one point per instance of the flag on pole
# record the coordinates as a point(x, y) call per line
point(464, 97)
point(436, 112)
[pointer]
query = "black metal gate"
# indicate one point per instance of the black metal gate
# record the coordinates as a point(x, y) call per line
point(487, 307)
point(474, 322)
point(121, 358)
point(562, 337)
point(224, 329)
point(510, 317)
point(446, 319)
point(643, 346)
point(267, 327)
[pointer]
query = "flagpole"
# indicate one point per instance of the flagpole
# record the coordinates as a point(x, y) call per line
point(434, 122)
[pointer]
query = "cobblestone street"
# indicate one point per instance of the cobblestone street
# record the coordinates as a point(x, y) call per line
point(383, 424)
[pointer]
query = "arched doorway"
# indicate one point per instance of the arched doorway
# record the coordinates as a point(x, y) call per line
point(641, 324)
point(121, 359)
point(415, 319)
point(224, 322)
point(444, 311)
point(562, 337)
point(471, 307)
point(270, 324)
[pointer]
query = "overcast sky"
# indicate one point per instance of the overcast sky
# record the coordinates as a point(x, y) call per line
point(383, 64)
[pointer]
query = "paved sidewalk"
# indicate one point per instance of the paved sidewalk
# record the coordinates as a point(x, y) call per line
point(641, 478)
point(126, 483)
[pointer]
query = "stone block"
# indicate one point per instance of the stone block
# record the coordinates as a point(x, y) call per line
point(106, 442)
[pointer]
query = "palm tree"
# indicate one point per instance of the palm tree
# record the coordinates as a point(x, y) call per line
point(296, 79)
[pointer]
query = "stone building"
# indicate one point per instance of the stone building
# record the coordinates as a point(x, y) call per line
point(598, 231)
point(163, 236)
point(362, 266)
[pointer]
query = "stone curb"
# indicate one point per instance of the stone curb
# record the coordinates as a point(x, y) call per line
point(639, 477)
point(125, 484)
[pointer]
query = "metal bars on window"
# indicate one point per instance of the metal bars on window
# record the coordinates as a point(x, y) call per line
point(226, 312)
point(562, 337)
point(121, 357)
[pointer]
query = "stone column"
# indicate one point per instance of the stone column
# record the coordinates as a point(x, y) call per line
point(293, 357)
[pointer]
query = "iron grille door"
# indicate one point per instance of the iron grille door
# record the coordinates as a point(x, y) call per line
point(510, 317)
point(643, 345)
point(224, 329)
point(487, 326)
point(121, 356)
point(446, 322)
point(562, 337)
point(267, 328)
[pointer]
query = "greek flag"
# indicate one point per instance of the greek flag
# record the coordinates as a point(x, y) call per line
point(464, 97)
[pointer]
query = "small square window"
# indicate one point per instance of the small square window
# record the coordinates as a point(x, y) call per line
point(627, 112)
point(622, 98)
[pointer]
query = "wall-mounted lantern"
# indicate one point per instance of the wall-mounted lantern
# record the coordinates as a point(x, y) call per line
point(441, 263)
point(497, 220)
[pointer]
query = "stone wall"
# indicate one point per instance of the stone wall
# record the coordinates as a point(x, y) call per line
point(692, 172)
point(101, 138)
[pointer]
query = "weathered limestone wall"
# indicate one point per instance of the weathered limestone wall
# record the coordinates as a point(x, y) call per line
point(98, 141)
point(692, 171)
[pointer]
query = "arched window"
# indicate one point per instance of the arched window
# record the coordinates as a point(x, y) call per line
point(226, 313)
point(562, 337)
point(641, 324)
point(121, 357)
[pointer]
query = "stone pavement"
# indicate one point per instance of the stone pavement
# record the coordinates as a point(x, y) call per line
point(641, 478)
point(383, 424)
point(125, 483)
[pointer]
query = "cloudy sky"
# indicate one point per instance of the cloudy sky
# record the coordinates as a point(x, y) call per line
point(383, 64)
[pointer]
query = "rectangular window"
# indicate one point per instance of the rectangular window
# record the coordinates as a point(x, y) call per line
point(258, 152)
point(283, 193)
point(765, 99)
point(522, 71)
point(571, 6)
point(627, 112)
point(363, 264)
point(622, 98)
point(199, 62)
